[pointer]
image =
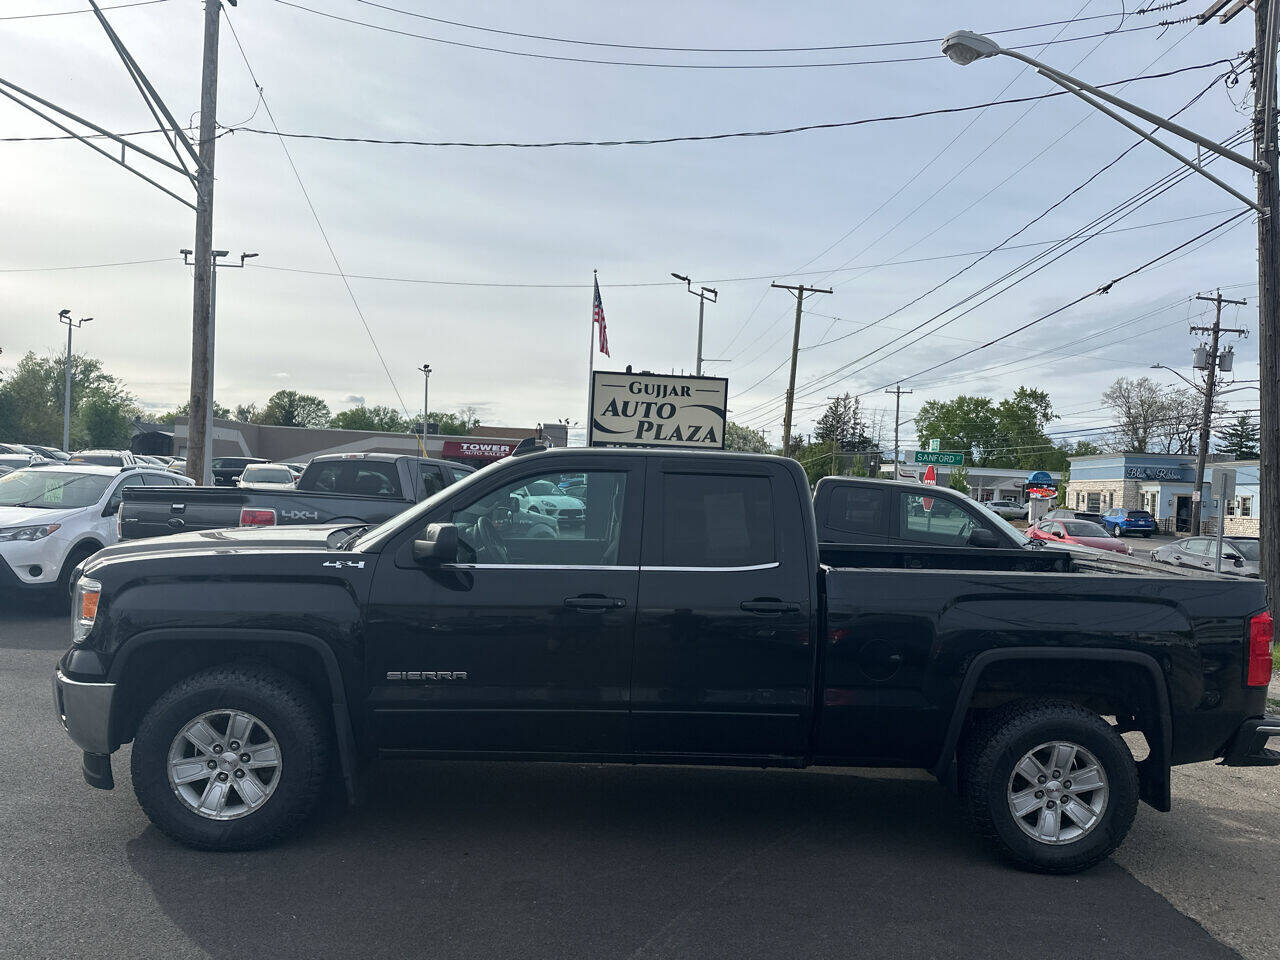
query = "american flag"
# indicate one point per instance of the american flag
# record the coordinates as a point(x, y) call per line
point(597, 317)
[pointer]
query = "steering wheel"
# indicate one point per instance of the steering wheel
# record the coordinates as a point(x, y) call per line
point(487, 540)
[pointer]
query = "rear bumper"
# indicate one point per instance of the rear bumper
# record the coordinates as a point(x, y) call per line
point(1248, 748)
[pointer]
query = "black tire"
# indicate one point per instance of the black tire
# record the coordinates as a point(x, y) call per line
point(1147, 535)
point(278, 701)
point(989, 767)
point(62, 589)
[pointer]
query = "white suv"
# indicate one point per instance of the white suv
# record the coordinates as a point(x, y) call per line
point(53, 516)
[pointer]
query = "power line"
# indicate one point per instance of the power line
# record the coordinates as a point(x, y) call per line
point(634, 46)
point(692, 138)
point(672, 66)
point(67, 13)
point(320, 225)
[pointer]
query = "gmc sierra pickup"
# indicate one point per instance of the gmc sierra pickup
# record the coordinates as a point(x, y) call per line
point(686, 620)
point(335, 488)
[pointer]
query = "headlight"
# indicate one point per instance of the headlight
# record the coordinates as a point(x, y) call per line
point(28, 533)
point(549, 504)
point(84, 610)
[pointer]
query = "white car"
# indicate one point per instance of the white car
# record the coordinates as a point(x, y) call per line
point(53, 516)
point(545, 498)
point(1009, 509)
point(267, 476)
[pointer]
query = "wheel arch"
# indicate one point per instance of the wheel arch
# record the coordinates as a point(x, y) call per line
point(153, 660)
point(1006, 674)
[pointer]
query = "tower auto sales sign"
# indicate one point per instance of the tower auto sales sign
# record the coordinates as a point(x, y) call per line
point(656, 410)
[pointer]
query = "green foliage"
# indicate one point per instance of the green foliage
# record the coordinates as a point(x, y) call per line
point(1240, 439)
point(744, 439)
point(381, 418)
point(31, 403)
point(245, 412)
point(288, 408)
point(219, 411)
point(959, 479)
point(1010, 433)
point(456, 424)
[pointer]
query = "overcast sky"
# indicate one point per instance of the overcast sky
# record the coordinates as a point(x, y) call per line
point(842, 200)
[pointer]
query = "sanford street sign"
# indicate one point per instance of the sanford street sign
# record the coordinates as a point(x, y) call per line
point(942, 459)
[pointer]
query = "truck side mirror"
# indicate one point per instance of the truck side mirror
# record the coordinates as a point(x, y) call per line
point(439, 544)
point(1238, 561)
point(982, 537)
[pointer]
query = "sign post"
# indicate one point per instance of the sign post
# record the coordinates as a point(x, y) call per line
point(656, 410)
point(1222, 489)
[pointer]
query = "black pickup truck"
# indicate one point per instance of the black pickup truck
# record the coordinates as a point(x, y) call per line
point(334, 488)
point(686, 620)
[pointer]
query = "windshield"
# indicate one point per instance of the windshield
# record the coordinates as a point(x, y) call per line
point(1084, 528)
point(266, 475)
point(1246, 548)
point(1005, 526)
point(55, 491)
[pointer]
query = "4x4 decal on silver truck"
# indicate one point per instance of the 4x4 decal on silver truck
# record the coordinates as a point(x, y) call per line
point(358, 564)
point(299, 514)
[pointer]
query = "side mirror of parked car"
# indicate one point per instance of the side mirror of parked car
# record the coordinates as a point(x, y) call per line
point(1059, 534)
point(982, 537)
point(439, 544)
point(1238, 561)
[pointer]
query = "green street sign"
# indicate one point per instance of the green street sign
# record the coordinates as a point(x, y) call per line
point(934, 445)
point(941, 459)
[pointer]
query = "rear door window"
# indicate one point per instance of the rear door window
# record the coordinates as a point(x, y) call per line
point(717, 520)
point(857, 509)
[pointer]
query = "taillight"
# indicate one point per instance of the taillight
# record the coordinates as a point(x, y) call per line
point(1262, 632)
point(257, 517)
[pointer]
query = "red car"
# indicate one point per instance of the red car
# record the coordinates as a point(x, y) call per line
point(1083, 532)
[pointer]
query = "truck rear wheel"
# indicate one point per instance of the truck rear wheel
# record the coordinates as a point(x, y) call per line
point(1053, 785)
point(231, 758)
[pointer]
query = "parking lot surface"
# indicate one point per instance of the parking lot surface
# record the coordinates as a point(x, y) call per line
point(541, 860)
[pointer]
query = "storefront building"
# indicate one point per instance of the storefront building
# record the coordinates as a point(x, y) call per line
point(985, 483)
point(1164, 485)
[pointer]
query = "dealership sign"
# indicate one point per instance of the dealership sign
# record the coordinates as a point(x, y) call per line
point(479, 449)
point(656, 410)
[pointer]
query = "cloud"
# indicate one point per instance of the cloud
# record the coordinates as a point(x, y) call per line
point(354, 400)
point(281, 376)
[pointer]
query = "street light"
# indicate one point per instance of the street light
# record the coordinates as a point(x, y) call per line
point(64, 316)
point(425, 369)
point(702, 295)
point(964, 47)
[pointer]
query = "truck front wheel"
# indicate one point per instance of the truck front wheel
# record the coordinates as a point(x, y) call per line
point(1054, 785)
point(231, 758)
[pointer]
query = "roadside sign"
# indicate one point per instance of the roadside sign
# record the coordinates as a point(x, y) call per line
point(931, 478)
point(942, 459)
point(656, 410)
point(1223, 484)
point(934, 445)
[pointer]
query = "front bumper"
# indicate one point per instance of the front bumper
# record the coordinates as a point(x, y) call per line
point(84, 710)
point(19, 558)
point(1248, 748)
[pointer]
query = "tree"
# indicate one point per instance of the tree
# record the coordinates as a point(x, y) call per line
point(959, 479)
point(456, 424)
point(1020, 429)
point(246, 412)
point(288, 408)
point(744, 439)
point(380, 418)
point(1153, 418)
point(965, 424)
point(219, 411)
point(31, 401)
point(1240, 438)
point(835, 428)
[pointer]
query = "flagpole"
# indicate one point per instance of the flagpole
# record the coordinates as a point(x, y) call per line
point(591, 351)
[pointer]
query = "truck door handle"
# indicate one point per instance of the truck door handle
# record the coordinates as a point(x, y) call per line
point(768, 605)
point(595, 603)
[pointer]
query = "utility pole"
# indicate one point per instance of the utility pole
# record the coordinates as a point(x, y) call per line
point(1210, 379)
point(200, 405)
point(426, 410)
point(702, 295)
point(64, 316)
point(1264, 138)
point(897, 392)
point(798, 292)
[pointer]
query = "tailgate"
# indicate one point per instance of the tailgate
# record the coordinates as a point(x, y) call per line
point(159, 511)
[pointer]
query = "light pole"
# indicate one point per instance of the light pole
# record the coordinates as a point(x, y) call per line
point(207, 433)
point(702, 294)
point(964, 47)
point(426, 391)
point(64, 316)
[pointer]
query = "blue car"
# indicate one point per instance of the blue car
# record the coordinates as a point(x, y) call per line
point(1120, 522)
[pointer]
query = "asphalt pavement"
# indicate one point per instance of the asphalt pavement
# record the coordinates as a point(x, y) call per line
point(544, 860)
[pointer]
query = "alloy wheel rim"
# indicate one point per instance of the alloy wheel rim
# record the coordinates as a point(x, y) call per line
point(1058, 792)
point(224, 764)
